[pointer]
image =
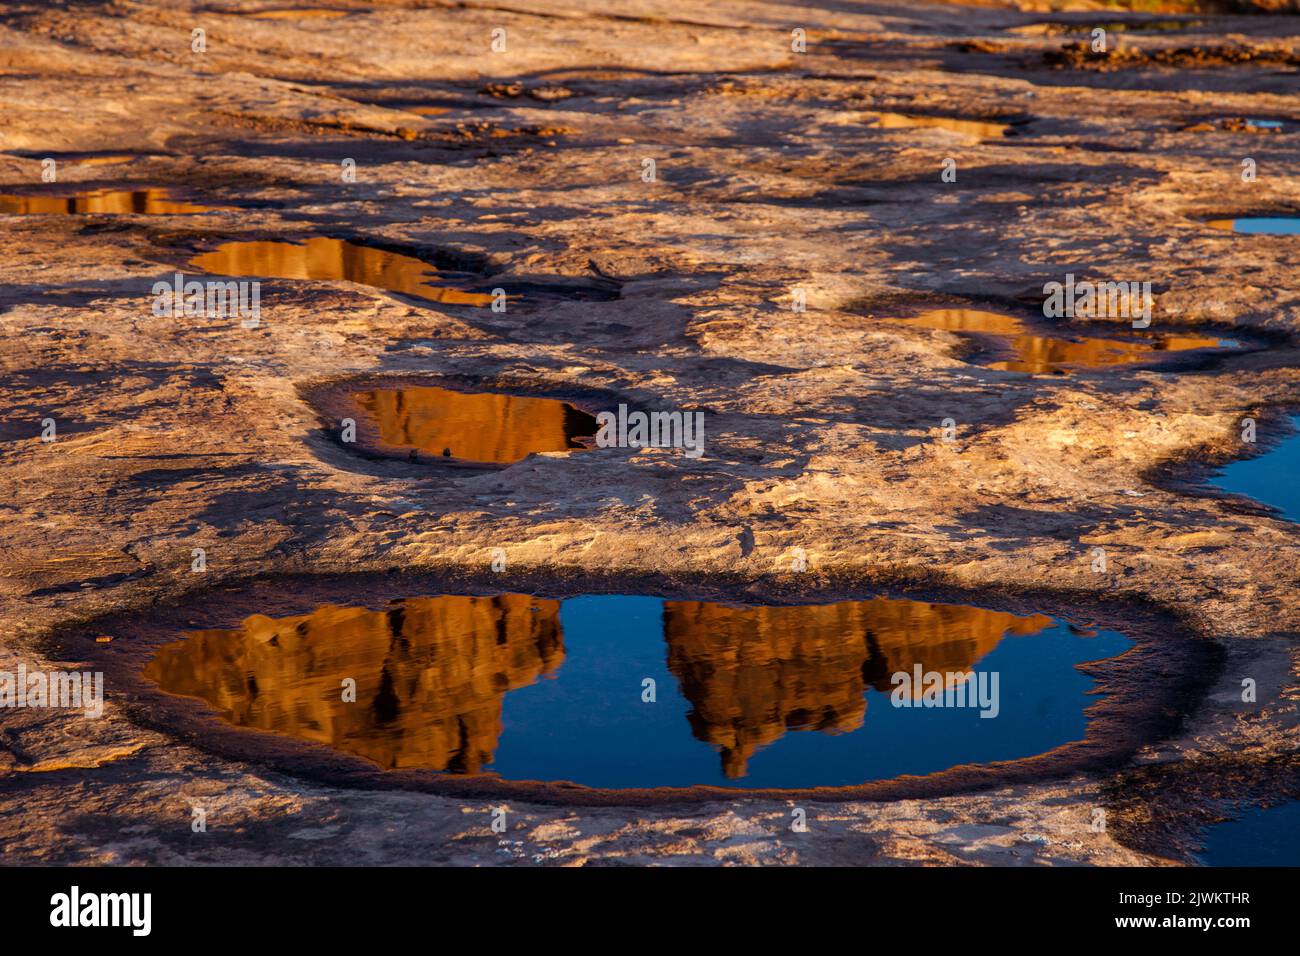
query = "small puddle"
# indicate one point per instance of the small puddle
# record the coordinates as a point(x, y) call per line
point(101, 159)
point(1260, 225)
point(324, 258)
point(479, 428)
point(291, 13)
point(979, 129)
point(1269, 478)
point(1049, 355)
point(149, 202)
point(1060, 27)
point(1147, 26)
point(1265, 836)
point(1236, 124)
point(536, 689)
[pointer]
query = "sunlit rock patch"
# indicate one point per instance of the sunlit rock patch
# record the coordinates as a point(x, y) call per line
point(180, 435)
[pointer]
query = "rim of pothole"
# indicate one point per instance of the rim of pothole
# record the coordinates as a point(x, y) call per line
point(1129, 714)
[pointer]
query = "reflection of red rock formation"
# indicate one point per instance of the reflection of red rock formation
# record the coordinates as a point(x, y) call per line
point(478, 427)
point(430, 675)
point(1040, 355)
point(322, 257)
point(939, 637)
point(153, 202)
point(753, 673)
point(978, 129)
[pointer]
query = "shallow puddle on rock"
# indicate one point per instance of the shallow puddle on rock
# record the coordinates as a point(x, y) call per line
point(1260, 225)
point(474, 427)
point(1145, 26)
point(1237, 124)
point(291, 13)
point(102, 159)
point(1060, 27)
point(322, 257)
point(980, 129)
point(1264, 836)
point(537, 689)
point(1045, 355)
point(149, 202)
point(1270, 478)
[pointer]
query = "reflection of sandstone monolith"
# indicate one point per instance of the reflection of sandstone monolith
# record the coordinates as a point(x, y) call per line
point(430, 675)
point(939, 637)
point(1039, 355)
point(474, 427)
point(154, 202)
point(322, 257)
point(753, 673)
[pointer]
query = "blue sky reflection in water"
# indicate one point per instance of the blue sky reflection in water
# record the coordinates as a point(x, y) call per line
point(1268, 836)
point(536, 689)
point(1272, 478)
point(1261, 225)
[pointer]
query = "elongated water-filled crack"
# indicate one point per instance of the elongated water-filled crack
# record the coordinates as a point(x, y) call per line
point(1239, 124)
point(1086, 26)
point(976, 128)
point(1041, 354)
point(291, 13)
point(98, 158)
point(1260, 225)
point(148, 202)
point(323, 257)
